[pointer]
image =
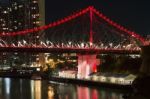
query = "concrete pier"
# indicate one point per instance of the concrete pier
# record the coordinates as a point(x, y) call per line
point(87, 64)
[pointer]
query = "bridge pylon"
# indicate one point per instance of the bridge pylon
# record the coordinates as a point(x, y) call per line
point(87, 64)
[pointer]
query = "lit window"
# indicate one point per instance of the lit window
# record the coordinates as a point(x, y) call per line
point(3, 24)
point(10, 9)
point(10, 30)
point(15, 53)
point(33, 7)
point(1, 19)
point(34, 1)
point(4, 28)
point(37, 15)
point(37, 59)
point(15, 27)
point(19, 23)
point(37, 22)
point(34, 16)
point(16, 8)
point(5, 12)
point(74, 60)
point(37, 36)
point(20, 6)
point(15, 3)
point(15, 21)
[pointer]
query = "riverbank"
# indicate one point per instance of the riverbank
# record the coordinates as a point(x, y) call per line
point(84, 82)
point(24, 72)
point(19, 75)
point(90, 83)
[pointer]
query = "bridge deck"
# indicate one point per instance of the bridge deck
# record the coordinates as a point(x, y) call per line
point(67, 50)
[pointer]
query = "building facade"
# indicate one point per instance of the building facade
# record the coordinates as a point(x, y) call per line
point(17, 15)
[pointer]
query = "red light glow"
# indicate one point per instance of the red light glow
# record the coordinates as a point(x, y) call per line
point(90, 10)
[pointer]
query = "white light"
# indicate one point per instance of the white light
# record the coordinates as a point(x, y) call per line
point(34, 16)
point(91, 43)
point(10, 9)
point(33, 8)
point(3, 24)
point(4, 28)
point(133, 35)
point(34, 1)
point(5, 12)
point(15, 27)
point(16, 8)
point(7, 85)
point(1, 19)
point(20, 6)
point(82, 45)
point(38, 69)
point(37, 22)
point(37, 36)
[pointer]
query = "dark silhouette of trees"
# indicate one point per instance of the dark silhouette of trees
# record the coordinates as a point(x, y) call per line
point(120, 64)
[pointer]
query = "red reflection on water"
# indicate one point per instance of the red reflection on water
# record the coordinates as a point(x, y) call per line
point(83, 93)
point(94, 94)
point(86, 93)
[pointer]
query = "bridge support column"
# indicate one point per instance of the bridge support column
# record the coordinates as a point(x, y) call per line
point(87, 64)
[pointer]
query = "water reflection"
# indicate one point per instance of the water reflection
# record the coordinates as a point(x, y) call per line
point(37, 89)
point(50, 92)
point(80, 92)
point(7, 87)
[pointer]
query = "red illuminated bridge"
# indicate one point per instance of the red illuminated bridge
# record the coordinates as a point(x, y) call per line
point(85, 31)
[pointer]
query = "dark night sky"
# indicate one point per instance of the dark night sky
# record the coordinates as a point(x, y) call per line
point(133, 14)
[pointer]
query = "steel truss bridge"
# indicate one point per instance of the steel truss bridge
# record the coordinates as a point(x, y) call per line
point(87, 30)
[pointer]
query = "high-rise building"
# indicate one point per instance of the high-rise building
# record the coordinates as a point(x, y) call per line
point(16, 15)
point(19, 15)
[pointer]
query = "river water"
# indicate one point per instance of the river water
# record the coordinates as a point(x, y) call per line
point(43, 89)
